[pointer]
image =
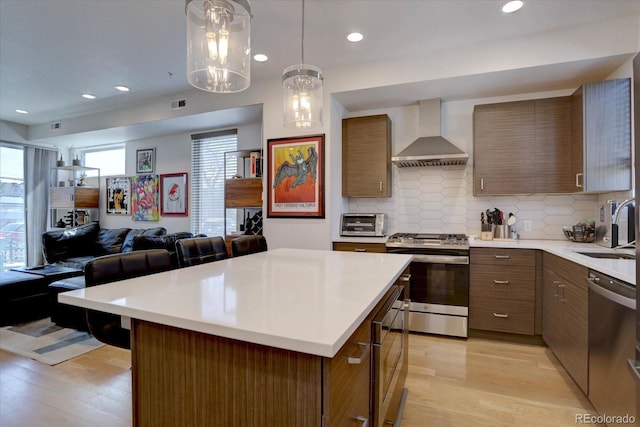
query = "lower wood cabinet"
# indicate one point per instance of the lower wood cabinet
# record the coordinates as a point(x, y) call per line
point(184, 377)
point(359, 247)
point(502, 290)
point(565, 316)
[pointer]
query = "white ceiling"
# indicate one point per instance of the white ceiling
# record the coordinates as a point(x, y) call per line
point(52, 51)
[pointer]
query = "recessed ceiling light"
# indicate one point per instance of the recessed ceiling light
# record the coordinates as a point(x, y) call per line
point(512, 6)
point(122, 88)
point(260, 57)
point(355, 37)
point(22, 111)
point(88, 96)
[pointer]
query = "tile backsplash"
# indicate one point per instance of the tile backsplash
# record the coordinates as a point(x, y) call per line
point(440, 199)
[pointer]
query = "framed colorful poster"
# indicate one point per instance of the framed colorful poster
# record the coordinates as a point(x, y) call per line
point(173, 194)
point(295, 177)
point(145, 160)
point(145, 198)
point(118, 195)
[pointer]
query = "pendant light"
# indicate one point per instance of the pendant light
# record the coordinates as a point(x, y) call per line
point(302, 93)
point(219, 45)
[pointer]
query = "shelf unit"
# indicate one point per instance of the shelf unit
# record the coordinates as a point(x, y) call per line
point(242, 192)
point(69, 200)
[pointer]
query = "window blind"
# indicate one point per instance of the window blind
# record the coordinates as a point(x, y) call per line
point(207, 180)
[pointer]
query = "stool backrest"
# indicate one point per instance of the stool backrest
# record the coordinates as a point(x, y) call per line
point(200, 250)
point(106, 327)
point(248, 245)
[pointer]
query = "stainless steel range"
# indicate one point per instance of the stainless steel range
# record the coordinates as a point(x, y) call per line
point(439, 290)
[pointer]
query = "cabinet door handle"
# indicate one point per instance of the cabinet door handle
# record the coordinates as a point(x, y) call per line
point(405, 277)
point(481, 184)
point(501, 282)
point(381, 186)
point(360, 249)
point(364, 350)
point(578, 183)
point(557, 292)
point(561, 291)
point(502, 256)
point(71, 197)
point(501, 315)
point(364, 422)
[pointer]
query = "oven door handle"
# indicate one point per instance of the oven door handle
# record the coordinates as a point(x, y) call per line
point(441, 259)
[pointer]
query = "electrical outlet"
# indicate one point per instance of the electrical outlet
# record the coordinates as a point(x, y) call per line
point(528, 226)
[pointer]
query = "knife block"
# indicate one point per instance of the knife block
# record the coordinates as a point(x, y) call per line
point(487, 232)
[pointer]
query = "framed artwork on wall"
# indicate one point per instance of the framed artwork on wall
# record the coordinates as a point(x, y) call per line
point(174, 194)
point(145, 198)
point(295, 177)
point(118, 195)
point(145, 160)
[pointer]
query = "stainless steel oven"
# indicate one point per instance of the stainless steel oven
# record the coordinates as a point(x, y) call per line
point(439, 290)
point(390, 340)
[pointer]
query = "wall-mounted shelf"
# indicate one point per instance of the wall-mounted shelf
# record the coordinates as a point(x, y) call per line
point(74, 196)
point(243, 192)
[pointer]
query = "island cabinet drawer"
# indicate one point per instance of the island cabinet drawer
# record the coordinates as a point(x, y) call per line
point(359, 247)
point(516, 283)
point(515, 316)
point(346, 379)
point(502, 256)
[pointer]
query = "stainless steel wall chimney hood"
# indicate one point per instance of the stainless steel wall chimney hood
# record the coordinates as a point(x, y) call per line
point(431, 149)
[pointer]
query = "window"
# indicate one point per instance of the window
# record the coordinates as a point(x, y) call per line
point(12, 229)
point(110, 160)
point(207, 180)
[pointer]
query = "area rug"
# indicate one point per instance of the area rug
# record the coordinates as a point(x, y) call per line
point(45, 342)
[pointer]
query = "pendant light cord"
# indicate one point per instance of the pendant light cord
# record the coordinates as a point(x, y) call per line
point(302, 44)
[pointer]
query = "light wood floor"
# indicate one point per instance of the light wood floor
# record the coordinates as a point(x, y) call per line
point(451, 382)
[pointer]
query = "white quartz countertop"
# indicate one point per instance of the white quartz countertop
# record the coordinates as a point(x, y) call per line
point(309, 301)
point(622, 269)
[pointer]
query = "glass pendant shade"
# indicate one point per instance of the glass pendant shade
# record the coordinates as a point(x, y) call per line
point(302, 94)
point(219, 45)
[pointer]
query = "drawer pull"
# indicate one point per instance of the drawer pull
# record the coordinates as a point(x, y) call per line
point(364, 422)
point(360, 249)
point(405, 278)
point(501, 315)
point(364, 351)
point(501, 282)
point(502, 256)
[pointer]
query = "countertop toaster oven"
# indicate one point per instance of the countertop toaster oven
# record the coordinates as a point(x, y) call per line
point(362, 224)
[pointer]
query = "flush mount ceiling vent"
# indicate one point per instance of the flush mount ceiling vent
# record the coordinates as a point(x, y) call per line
point(178, 104)
point(430, 149)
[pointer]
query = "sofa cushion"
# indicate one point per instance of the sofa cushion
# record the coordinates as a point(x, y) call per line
point(62, 244)
point(110, 240)
point(127, 246)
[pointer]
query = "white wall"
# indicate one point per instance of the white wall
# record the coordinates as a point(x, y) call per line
point(589, 42)
point(173, 154)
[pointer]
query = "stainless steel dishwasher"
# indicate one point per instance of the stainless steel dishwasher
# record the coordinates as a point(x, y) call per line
point(612, 314)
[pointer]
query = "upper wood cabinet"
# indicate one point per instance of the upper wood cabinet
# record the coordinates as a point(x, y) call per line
point(366, 156)
point(552, 145)
point(503, 148)
point(571, 144)
point(521, 147)
point(601, 136)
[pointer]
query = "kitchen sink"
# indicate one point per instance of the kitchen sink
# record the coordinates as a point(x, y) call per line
point(608, 255)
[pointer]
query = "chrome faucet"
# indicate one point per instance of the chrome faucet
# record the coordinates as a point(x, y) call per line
point(616, 218)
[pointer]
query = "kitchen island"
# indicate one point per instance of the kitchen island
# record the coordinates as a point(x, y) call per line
point(257, 340)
